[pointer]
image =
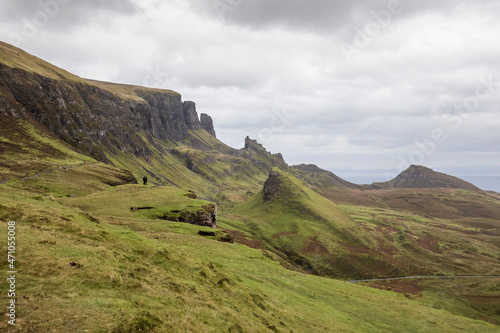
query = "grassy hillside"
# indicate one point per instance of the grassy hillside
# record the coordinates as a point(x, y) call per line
point(305, 228)
point(14, 57)
point(103, 269)
point(352, 241)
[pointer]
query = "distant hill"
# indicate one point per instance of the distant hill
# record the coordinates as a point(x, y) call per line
point(417, 176)
point(316, 176)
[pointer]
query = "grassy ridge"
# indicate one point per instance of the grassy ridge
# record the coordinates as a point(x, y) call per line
point(16, 58)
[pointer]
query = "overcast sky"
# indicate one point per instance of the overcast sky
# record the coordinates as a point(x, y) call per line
point(354, 85)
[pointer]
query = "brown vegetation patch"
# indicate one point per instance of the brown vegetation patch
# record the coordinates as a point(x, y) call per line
point(386, 229)
point(241, 238)
point(387, 249)
point(356, 249)
point(438, 203)
point(452, 228)
point(407, 287)
point(313, 245)
point(429, 244)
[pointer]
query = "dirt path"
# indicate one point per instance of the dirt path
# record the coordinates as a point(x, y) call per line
point(49, 171)
point(430, 277)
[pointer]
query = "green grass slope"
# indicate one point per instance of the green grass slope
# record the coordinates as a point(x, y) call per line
point(99, 268)
point(303, 227)
point(138, 201)
point(14, 57)
point(28, 149)
point(202, 164)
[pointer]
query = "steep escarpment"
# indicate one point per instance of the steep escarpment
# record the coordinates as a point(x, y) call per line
point(94, 117)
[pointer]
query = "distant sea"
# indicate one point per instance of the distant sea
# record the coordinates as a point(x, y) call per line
point(484, 182)
point(488, 183)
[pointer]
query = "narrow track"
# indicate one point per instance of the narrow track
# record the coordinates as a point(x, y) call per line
point(429, 277)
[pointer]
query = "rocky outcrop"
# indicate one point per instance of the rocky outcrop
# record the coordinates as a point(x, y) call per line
point(272, 186)
point(257, 154)
point(252, 144)
point(206, 217)
point(207, 123)
point(190, 116)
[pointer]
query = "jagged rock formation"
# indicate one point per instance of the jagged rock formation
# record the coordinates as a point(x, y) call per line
point(191, 116)
point(271, 186)
point(417, 176)
point(207, 123)
point(259, 155)
point(252, 144)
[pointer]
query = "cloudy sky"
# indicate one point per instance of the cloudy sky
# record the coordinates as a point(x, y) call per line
point(363, 88)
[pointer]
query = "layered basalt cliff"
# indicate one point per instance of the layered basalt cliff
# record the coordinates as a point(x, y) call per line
point(95, 119)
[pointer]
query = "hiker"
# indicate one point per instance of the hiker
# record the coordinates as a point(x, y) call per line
point(145, 180)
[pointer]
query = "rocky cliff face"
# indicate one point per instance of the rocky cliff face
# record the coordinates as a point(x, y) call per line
point(96, 120)
point(190, 116)
point(207, 123)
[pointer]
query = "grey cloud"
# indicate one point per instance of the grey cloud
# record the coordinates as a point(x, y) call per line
point(63, 14)
point(319, 15)
point(259, 14)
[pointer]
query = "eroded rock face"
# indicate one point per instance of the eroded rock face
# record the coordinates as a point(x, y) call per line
point(95, 120)
point(206, 217)
point(271, 186)
point(190, 116)
point(207, 123)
